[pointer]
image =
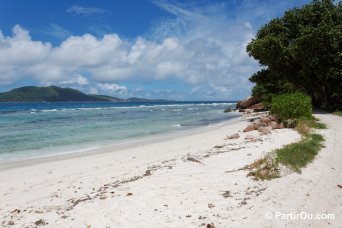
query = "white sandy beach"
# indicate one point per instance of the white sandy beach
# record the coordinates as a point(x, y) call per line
point(154, 185)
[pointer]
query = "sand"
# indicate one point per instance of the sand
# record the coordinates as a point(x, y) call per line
point(189, 180)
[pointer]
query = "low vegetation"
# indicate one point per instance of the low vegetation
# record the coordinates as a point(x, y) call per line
point(294, 156)
point(339, 113)
point(297, 155)
point(265, 168)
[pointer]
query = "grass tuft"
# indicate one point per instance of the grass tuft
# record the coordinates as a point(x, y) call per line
point(319, 125)
point(298, 155)
point(264, 169)
point(338, 112)
point(294, 156)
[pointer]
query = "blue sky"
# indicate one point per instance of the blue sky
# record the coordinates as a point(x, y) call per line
point(181, 50)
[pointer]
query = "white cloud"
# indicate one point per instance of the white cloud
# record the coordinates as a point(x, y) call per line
point(86, 11)
point(78, 80)
point(20, 50)
point(202, 45)
point(110, 88)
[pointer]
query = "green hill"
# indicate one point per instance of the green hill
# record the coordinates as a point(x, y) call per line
point(48, 94)
point(58, 94)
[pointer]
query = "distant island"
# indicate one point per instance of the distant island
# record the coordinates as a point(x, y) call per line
point(58, 94)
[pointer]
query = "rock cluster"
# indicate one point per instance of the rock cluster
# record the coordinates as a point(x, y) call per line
point(264, 124)
point(250, 105)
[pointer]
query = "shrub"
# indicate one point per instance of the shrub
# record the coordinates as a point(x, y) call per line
point(292, 106)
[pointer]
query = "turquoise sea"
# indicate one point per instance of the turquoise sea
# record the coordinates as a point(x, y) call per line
point(30, 130)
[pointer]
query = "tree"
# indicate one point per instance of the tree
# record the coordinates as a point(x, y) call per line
point(301, 51)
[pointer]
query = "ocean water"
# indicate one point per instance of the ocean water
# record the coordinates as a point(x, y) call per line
point(29, 130)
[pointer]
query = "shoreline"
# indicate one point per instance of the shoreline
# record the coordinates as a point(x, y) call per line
point(188, 181)
point(119, 145)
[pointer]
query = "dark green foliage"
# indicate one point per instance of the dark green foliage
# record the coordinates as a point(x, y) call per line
point(292, 106)
point(268, 85)
point(298, 155)
point(301, 51)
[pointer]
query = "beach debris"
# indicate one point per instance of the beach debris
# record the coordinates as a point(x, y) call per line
point(251, 138)
point(218, 147)
point(188, 216)
point(40, 222)
point(103, 197)
point(226, 194)
point(233, 136)
point(77, 201)
point(249, 128)
point(235, 170)
point(17, 211)
point(192, 159)
point(129, 194)
point(210, 205)
point(243, 202)
point(340, 186)
point(148, 173)
point(202, 217)
point(10, 223)
point(210, 225)
point(256, 191)
point(103, 188)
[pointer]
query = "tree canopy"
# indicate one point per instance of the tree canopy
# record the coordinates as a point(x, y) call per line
point(301, 51)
